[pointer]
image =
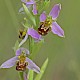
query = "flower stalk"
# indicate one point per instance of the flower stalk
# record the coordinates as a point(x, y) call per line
point(21, 75)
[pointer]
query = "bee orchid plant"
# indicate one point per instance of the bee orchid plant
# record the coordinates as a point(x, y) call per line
point(43, 23)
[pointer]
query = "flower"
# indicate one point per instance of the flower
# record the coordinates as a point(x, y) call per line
point(48, 23)
point(29, 3)
point(33, 33)
point(21, 61)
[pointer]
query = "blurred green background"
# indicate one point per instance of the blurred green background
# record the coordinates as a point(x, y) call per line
point(63, 53)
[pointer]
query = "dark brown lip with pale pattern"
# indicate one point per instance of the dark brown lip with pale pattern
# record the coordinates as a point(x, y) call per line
point(21, 66)
point(44, 29)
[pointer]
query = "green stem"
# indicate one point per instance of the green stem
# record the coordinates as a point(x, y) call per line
point(30, 44)
point(37, 21)
point(21, 75)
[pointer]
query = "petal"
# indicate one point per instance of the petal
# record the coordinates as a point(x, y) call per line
point(42, 17)
point(20, 50)
point(34, 9)
point(23, 40)
point(30, 3)
point(28, 6)
point(56, 29)
point(33, 33)
point(32, 65)
point(55, 11)
point(9, 63)
point(24, 1)
point(21, 10)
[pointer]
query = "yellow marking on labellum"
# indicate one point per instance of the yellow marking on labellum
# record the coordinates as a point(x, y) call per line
point(44, 28)
point(22, 34)
point(21, 63)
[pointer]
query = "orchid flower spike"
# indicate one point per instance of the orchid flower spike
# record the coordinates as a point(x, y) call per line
point(48, 23)
point(21, 61)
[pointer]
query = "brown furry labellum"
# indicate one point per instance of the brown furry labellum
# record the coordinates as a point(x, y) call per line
point(44, 28)
point(21, 66)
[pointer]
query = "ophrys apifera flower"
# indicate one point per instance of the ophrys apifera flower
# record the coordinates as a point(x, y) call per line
point(21, 61)
point(30, 32)
point(48, 22)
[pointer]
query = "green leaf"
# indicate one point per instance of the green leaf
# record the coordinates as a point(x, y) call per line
point(31, 44)
point(30, 74)
point(29, 15)
point(16, 46)
point(39, 76)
